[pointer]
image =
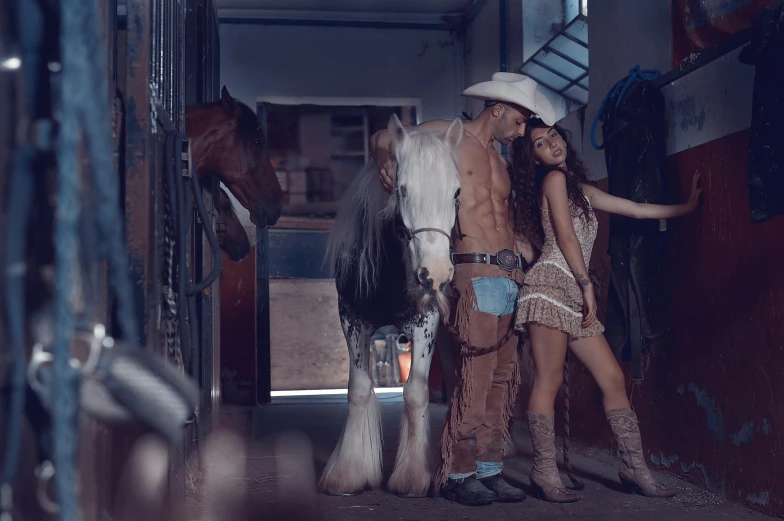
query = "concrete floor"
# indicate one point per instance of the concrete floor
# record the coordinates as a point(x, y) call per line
point(321, 422)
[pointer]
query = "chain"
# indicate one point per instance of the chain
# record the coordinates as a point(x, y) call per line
point(171, 325)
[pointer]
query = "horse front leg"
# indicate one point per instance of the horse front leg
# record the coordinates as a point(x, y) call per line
point(416, 462)
point(355, 463)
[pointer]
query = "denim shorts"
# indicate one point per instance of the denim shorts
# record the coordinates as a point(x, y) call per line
point(495, 295)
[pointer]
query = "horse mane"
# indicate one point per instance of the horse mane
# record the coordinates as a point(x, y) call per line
point(355, 239)
point(355, 242)
point(248, 124)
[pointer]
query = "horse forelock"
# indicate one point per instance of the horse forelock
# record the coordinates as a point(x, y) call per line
point(428, 170)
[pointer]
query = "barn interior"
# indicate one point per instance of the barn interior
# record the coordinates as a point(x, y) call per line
point(171, 344)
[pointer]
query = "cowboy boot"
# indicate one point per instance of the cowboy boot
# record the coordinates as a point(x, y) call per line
point(546, 482)
point(634, 473)
point(468, 491)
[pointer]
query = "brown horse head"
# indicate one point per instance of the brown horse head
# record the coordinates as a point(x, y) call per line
point(227, 140)
point(231, 235)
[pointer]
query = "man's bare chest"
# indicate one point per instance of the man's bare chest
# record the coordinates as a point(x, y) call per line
point(483, 172)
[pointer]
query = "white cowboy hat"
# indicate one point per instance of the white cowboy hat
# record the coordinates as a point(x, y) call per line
point(517, 89)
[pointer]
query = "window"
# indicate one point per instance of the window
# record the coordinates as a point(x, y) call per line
point(561, 64)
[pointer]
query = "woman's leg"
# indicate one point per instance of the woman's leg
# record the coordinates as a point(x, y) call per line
point(548, 347)
point(549, 350)
point(596, 356)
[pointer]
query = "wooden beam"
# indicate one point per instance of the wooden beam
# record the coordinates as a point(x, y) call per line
point(304, 223)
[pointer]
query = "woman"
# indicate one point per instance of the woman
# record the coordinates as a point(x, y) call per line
point(557, 305)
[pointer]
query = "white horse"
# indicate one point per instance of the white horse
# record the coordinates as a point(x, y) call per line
point(392, 265)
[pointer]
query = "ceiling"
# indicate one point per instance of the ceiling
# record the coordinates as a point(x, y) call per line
point(411, 11)
point(354, 6)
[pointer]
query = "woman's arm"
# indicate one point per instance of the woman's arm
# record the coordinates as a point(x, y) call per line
point(554, 192)
point(617, 205)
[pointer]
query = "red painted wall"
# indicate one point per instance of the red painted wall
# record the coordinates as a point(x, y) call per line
point(710, 406)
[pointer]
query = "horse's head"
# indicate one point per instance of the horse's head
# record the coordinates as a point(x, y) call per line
point(426, 191)
point(227, 140)
point(231, 235)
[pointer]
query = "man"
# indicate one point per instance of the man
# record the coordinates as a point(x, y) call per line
point(487, 278)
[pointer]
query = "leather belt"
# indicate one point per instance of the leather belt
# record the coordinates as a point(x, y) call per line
point(507, 260)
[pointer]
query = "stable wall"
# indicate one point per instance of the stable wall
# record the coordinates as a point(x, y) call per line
point(621, 35)
point(709, 404)
point(263, 60)
point(482, 56)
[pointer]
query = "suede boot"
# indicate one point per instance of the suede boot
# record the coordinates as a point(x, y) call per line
point(544, 476)
point(634, 473)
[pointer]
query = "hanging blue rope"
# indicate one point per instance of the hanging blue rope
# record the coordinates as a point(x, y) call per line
point(617, 92)
point(75, 88)
point(84, 107)
point(96, 122)
point(20, 196)
point(30, 23)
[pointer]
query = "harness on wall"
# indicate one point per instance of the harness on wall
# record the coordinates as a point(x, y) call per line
point(633, 130)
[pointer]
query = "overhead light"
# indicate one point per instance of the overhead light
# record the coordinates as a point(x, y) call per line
point(562, 63)
point(11, 63)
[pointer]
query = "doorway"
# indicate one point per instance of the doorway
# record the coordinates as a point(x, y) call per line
point(318, 146)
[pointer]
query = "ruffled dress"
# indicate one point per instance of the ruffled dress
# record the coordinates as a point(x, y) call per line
point(550, 295)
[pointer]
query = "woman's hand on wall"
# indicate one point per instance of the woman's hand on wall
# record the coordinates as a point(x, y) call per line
point(696, 192)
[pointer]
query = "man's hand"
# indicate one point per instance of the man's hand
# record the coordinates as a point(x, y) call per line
point(526, 249)
point(388, 174)
point(384, 158)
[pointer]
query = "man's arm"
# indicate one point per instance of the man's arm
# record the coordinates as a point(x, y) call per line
point(385, 159)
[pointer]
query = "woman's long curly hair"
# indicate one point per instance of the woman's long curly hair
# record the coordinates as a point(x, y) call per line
point(527, 179)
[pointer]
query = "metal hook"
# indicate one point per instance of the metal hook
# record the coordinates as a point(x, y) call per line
point(39, 357)
point(97, 340)
point(44, 472)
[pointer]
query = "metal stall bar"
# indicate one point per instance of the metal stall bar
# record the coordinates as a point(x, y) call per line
point(201, 70)
point(154, 109)
point(142, 182)
point(703, 59)
point(263, 337)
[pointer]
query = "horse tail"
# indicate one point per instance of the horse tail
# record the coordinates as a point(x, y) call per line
point(354, 246)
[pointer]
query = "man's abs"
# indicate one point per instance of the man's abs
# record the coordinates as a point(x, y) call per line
point(484, 219)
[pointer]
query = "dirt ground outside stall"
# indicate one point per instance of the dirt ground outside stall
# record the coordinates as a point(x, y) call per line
point(309, 350)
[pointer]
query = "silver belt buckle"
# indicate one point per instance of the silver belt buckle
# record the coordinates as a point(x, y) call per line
point(507, 260)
